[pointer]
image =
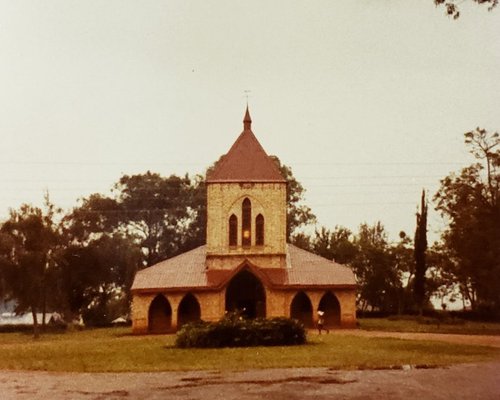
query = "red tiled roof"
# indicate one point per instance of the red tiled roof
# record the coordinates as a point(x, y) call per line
point(246, 161)
point(188, 271)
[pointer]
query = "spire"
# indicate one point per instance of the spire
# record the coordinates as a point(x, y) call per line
point(247, 121)
point(246, 161)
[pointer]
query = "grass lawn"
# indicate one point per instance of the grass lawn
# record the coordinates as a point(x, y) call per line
point(430, 325)
point(116, 350)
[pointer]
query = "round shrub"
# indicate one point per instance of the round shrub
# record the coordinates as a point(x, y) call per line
point(234, 331)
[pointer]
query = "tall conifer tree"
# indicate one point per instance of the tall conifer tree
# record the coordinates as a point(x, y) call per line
point(420, 254)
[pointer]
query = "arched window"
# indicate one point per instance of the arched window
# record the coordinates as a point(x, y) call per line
point(246, 223)
point(233, 230)
point(259, 230)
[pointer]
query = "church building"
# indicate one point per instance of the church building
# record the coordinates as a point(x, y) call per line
point(247, 264)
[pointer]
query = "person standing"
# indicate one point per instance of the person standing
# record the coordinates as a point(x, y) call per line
point(321, 322)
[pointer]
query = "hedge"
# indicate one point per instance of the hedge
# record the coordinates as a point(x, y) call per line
point(235, 331)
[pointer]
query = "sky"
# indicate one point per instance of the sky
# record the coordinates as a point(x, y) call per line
point(366, 100)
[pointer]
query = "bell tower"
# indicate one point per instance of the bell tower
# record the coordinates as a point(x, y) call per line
point(246, 207)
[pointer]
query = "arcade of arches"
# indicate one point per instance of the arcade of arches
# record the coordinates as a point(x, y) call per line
point(245, 294)
point(160, 313)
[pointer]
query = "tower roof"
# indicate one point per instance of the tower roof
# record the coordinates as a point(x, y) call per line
point(246, 160)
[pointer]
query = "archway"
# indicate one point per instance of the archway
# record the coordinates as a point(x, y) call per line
point(301, 309)
point(189, 310)
point(245, 293)
point(160, 315)
point(331, 307)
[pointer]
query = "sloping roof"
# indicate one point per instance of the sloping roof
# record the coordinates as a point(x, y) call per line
point(312, 269)
point(188, 271)
point(182, 271)
point(246, 161)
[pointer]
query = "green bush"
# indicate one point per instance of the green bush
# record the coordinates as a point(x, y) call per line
point(234, 331)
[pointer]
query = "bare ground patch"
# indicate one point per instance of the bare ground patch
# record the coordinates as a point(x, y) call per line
point(458, 382)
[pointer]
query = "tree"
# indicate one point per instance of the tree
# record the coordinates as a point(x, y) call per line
point(403, 253)
point(337, 245)
point(157, 210)
point(302, 240)
point(420, 255)
point(30, 240)
point(469, 202)
point(6, 246)
point(298, 214)
point(196, 235)
point(97, 274)
point(439, 280)
point(153, 210)
point(376, 270)
point(452, 9)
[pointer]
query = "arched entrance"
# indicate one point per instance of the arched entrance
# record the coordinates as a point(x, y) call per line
point(245, 293)
point(189, 310)
point(160, 315)
point(331, 307)
point(301, 309)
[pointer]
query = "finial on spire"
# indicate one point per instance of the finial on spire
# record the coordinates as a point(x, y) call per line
point(247, 121)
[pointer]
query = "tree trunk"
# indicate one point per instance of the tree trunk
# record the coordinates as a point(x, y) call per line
point(36, 334)
point(44, 306)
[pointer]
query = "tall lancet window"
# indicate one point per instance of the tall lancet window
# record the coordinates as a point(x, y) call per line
point(246, 223)
point(259, 230)
point(233, 230)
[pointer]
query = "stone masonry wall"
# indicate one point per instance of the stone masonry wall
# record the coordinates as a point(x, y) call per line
point(225, 199)
point(212, 305)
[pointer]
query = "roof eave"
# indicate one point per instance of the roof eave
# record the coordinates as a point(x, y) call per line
point(316, 286)
point(175, 289)
point(209, 181)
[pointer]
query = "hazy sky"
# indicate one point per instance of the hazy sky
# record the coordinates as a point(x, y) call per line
point(366, 100)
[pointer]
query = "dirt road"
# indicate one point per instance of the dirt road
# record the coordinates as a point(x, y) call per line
point(470, 381)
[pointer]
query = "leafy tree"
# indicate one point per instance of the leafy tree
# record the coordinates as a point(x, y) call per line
point(196, 235)
point(335, 245)
point(302, 240)
point(376, 270)
point(298, 214)
point(157, 210)
point(403, 253)
point(97, 274)
point(439, 280)
point(6, 246)
point(30, 241)
point(153, 210)
point(452, 9)
point(384, 271)
point(420, 254)
point(469, 202)
point(97, 215)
